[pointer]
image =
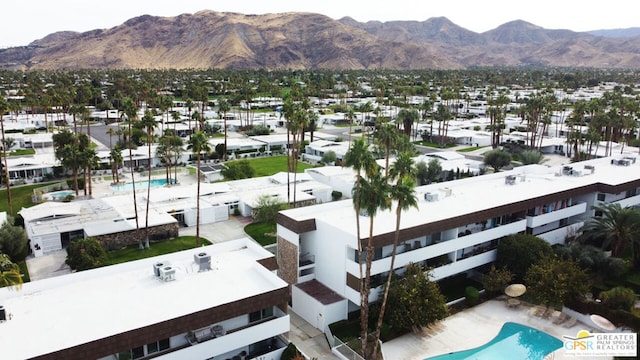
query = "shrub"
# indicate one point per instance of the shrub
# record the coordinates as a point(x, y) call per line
point(497, 280)
point(290, 353)
point(329, 157)
point(472, 295)
point(84, 254)
point(336, 195)
point(619, 297)
point(13, 241)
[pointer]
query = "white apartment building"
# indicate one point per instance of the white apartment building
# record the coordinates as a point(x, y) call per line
point(216, 302)
point(455, 229)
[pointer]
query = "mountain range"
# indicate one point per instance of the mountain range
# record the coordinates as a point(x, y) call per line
point(209, 39)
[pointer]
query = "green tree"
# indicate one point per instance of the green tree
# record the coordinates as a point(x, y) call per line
point(13, 241)
point(267, 208)
point(235, 170)
point(403, 173)
point(415, 301)
point(4, 106)
point(617, 229)
point(496, 280)
point(149, 123)
point(528, 157)
point(361, 160)
point(130, 109)
point(619, 297)
point(554, 282)
point(497, 159)
point(518, 252)
point(85, 254)
point(9, 273)
point(407, 117)
point(199, 144)
point(328, 157)
point(223, 108)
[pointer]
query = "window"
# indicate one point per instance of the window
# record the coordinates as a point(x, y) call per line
point(158, 346)
point(601, 197)
point(261, 314)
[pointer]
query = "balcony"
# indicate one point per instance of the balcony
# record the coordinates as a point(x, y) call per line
point(543, 219)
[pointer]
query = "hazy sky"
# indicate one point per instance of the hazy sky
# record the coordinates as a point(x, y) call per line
point(23, 21)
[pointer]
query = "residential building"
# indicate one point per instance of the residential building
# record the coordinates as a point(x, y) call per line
point(455, 229)
point(221, 301)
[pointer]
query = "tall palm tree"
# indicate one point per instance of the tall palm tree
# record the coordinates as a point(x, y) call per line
point(223, 108)
point(115, 156)
point(4, 106)
point(618, 228)
point(361, 160)
point(350, 115)
point(374, 196)
point(130, 109)
point(404, 174)
point(149, 123)
point(387, 137)
point(199, 144)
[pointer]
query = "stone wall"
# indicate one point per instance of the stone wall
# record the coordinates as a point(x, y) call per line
point(287, 261)
point(123, 239)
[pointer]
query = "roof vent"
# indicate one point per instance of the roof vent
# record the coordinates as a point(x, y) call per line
point(510, 180)
point(203, 260)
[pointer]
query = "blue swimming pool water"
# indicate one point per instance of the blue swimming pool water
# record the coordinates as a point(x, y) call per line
point(143, 184)
point(60, 195)
point(514, 341)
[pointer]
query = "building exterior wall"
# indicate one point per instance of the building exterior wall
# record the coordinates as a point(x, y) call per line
point(287, 260)
point(182, 325)
point(122, 239)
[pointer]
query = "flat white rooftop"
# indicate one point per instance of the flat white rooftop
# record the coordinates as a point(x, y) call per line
point(61, 312)
point(470, 195)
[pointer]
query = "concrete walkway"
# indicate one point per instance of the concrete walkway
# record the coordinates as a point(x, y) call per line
point(50, 265)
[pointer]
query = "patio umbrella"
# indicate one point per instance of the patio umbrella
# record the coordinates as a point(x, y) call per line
point(602, 322)
point(515, 290)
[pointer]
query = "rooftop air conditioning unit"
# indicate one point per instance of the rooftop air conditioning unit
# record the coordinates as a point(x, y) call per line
point(431, 197)
point(624, 162)
point(3, 314)
point(632, 160)
point(167, 273)
point(203, 260)
point(510, 180)
point(566, 170)
point(576, 173)
point(156, 268)
point(590, 168)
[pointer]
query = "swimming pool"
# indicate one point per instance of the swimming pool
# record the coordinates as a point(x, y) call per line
point(514, 341)
point(143, 184)
point(58, 195)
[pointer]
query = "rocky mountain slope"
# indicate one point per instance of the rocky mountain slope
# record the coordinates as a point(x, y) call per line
point(209, 39)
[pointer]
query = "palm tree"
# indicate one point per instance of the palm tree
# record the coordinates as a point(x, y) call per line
point(115, 156)
point(350, 115)
point(387, 137)
point(403, 171)
point(361, 160)
point(4, 106)
point(9, 273)
point(223, 108)
point(618, 228)
point(198, 144)
point(130, 109)
point(374, 196)
point(149, 123)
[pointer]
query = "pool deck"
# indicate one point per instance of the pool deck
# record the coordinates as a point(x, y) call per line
point(474, 327)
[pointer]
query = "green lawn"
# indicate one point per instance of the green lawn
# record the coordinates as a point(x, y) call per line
point(268, 166)
point(22, 152)
point(131, 253)
point(20, 197)
point(262, 232)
